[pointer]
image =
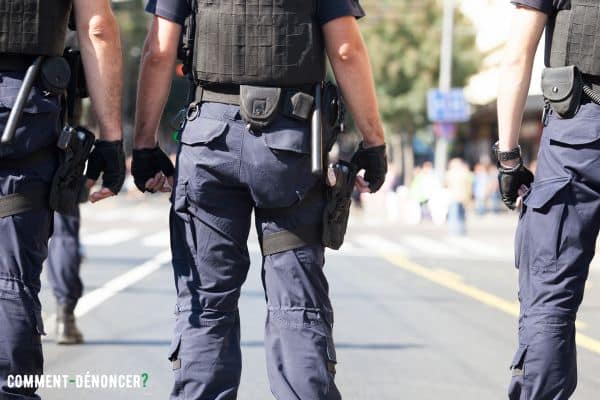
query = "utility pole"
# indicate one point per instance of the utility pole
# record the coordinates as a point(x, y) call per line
point(445, 84)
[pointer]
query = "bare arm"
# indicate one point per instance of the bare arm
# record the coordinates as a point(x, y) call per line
point(98, 34)
point(348, 56)
point(515, 73)
point(156, 75)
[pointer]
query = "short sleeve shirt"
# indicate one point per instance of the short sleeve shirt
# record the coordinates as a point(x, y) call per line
point(549, 7)
point(327, 10)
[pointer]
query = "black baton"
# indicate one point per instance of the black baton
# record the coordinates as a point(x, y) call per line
point(17, 111)
point(317, 134)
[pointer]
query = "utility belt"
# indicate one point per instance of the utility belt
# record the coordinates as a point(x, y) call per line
point(322, 105)
point(566, 88)
point(72, 148)
point(259, 106)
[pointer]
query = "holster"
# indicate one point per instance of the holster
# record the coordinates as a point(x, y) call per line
point(338, 198)
point(562, 88)
point(333, 114)
point(75, 145)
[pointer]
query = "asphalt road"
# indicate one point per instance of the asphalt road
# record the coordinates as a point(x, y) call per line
point(419, 314)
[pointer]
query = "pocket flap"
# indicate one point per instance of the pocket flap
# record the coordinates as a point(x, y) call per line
point(202, 131)
point(174, 347)
point(518, 359)
point(543, 191)
point(558, 83)
point(296, 140)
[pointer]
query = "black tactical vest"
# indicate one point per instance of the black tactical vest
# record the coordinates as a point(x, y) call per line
point(258, 42)
point(33, 27)
point(573, 37)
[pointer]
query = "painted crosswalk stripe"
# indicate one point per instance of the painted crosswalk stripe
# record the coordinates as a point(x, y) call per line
point(159, 239)
point(109, 237)
point(429, 246)
point(478, 248)
point(96, 297)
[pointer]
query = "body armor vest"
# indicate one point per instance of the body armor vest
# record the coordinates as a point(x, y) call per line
point(258, 42)
point(573, 37)
point(33, 27)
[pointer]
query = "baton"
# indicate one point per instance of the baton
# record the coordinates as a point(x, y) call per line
point(317, 134)
point(17, 110)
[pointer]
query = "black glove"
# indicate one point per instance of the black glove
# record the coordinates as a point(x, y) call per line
point(510, 180)
point(107, 158)
point(374, 161)
point(147, 163)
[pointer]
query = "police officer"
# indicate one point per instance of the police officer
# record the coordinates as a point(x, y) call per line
point(29, 162)
point(64, 250)
point(559, 221)
point(64, 263)
point(245, 146)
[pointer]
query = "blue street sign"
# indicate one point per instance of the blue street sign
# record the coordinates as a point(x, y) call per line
point(450, 106)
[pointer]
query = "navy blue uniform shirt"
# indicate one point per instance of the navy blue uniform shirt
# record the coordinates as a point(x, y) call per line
point(178, 10)
point(549, 7)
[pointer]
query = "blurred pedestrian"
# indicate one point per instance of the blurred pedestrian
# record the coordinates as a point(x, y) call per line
point(481, 188)
point(459, 181)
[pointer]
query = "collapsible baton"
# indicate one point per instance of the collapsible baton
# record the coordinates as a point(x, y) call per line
point(317, 133)
point(17, 110)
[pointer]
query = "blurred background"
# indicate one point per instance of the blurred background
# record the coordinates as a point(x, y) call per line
point(425, 287)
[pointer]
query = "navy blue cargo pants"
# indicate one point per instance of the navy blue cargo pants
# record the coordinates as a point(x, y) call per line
point(224, 171)
point(64, 259)
point(23, 237)
point(555, 243)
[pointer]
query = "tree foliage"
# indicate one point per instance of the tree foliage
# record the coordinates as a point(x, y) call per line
point(403, 38)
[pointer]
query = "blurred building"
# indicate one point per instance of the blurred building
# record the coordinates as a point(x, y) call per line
point(491, 19)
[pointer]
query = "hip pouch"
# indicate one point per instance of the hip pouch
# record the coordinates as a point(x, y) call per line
point(75, 145)
point(338, 199)
point(562, 88)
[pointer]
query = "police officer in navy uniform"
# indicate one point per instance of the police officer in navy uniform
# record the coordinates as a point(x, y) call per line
point(64, 251)
point(245, 147)
point(28, 163)
point(560, 216)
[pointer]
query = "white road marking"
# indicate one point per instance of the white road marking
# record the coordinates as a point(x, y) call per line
point(159, 239)
point(430, 247)
point(109, 237)
point(96, 297)
point(479, 248)
point(378, 243)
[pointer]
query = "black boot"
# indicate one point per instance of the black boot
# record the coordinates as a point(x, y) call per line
point(66, 329)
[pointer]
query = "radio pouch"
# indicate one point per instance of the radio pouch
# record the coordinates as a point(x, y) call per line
point(562, 88)
point(259, 105)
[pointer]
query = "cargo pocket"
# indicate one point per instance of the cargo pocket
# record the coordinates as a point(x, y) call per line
point(291, 140)
point(174, 352)
point(202, 131)
point(581, 130)
point(286, 164)
point(545, 208)
point(517, 366)
point(331, 356)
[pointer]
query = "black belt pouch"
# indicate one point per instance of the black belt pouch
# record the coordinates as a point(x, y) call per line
point(562, 88)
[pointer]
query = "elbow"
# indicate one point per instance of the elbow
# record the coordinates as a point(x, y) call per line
point(155, 55)
point(103, 29)
point(349, 53)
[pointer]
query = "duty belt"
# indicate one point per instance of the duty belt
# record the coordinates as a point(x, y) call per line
point(14, 62)
point(230, 94)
